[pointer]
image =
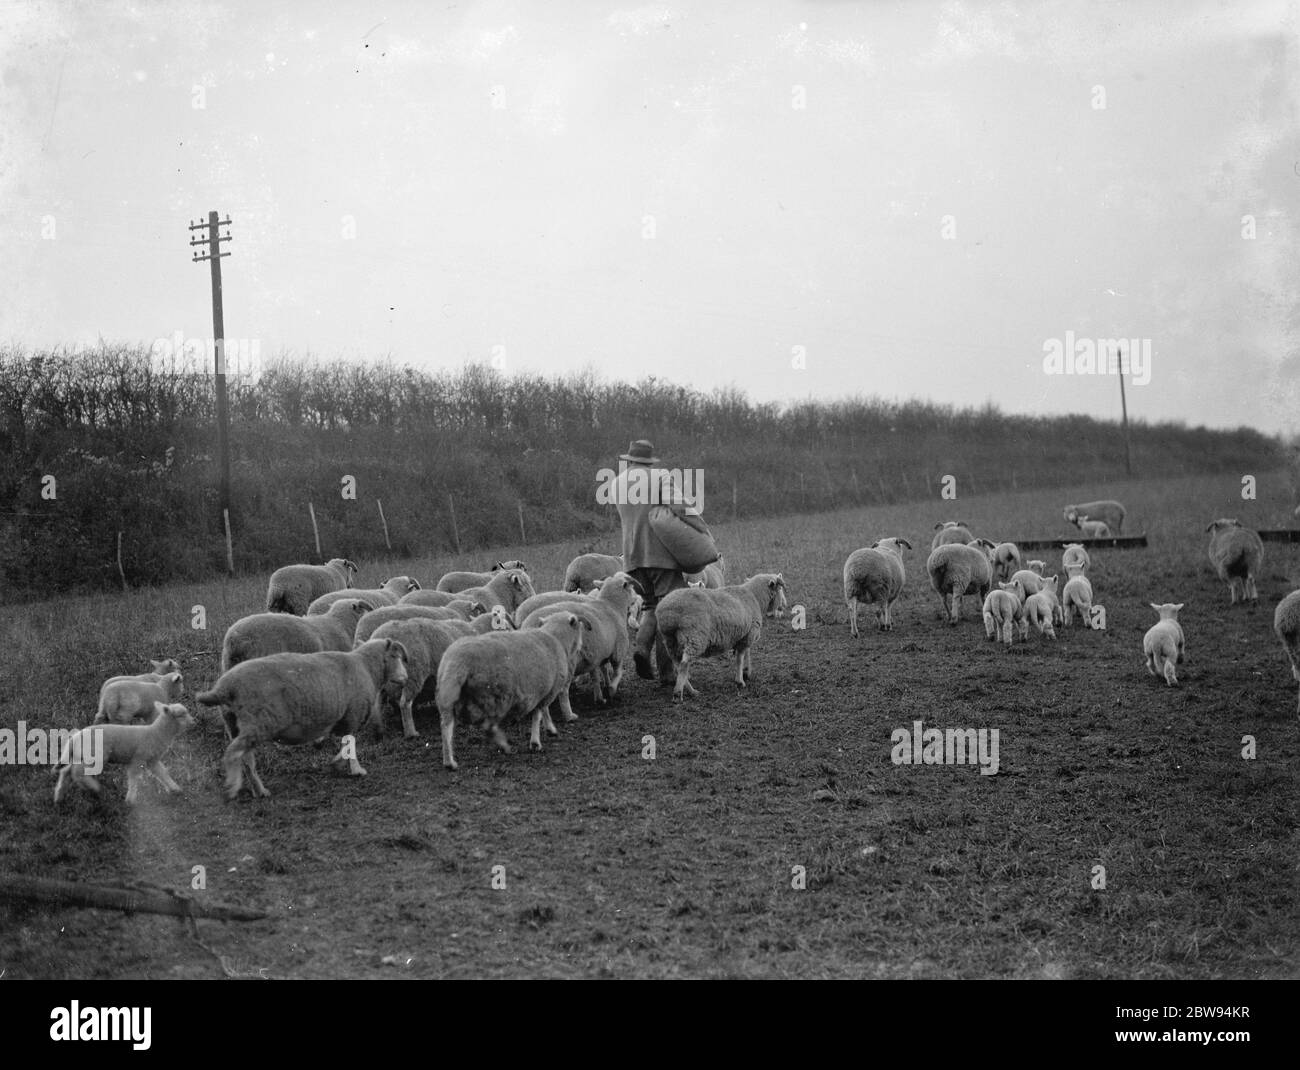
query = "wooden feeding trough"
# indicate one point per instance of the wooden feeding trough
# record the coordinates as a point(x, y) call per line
point(1110, 542)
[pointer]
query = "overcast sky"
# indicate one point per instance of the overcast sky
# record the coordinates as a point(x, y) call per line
point(921, 196)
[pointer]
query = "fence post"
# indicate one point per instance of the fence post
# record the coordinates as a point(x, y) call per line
point(387, 541)
point(230, 550)
point(455, 531)
point(523, 539)
point(120, 572)
point(315, 530)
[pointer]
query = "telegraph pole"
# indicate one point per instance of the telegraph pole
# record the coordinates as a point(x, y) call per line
point(1128, 457)
point(213, 255)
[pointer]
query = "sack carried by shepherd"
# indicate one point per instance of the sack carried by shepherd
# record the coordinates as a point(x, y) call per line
point(687, 538)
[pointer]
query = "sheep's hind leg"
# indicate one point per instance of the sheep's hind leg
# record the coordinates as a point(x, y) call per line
point(448, 729)
point(494, 733)
point(549, 725)
point(853, 617)
point(407, 707)
point(233, 762)
point(164, 778)
point(683, 683)
point(535, 731)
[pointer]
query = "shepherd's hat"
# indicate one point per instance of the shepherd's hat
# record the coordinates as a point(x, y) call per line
point(641, 451)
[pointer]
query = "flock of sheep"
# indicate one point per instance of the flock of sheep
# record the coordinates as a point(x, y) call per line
point(326, 658)
point(1013, 597)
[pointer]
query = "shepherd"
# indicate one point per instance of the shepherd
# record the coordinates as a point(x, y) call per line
point(656, 564)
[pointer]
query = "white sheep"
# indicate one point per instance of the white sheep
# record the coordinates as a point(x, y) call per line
point(1093, 529)
point(875, 574)
point(1163, 643)
point(293, 588)
point(1041, 608)
point(607, 647)
point(1036, 566)
point(299, 698)
point(124, 698)
point(698, 623)
point(1108, 511)
point(432, 599)
point(1027, 582)
point(490, 679)
point(138, 747)
point(587, 570)
point(951, 531)
point(279, 633)
point(1077, 595)
point(425, 641)
point(711, 576)
point(385, 595)
point(549, 598)
point(160, 669)
point(508, 589)
point(1074, 555)
point(957, 569)
point(453, 582)
point(1236, 554)
point(1003, 612)
point(1286, 623)
point(461, 609)
point(1006, 561)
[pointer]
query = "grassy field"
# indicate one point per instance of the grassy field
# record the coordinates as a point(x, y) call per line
point(682, 866)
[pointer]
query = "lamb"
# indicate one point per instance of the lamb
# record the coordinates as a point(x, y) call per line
point(293, 588)
point(160, 669)
point(1036, 566)
point(1108, 511)
point(1236, 554)
point(608, 646)
point(549, 598)
point(712, 576)
point(1077, 595)
point(386, 595)
point(299, 698)
point(875, 574)
point(462, 610)
point(138, 747)
point(585, 570)
point(1163, 643)
point(279, 633)
point(429, 598)
point(124, 698)
point(1006, 561)
point(1003, 610)
point(1286, 623)
point(951, 531)
point(1027, 582)
point(1093, 529)
point(425, 641)
point(490, 679)
point(1041, 608)
point(696, 622)
point(508, 589)
point(461, 581)
point(1074, 555)
point(957, 569)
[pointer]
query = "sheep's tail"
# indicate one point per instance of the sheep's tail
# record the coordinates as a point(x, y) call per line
point(216, 697)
